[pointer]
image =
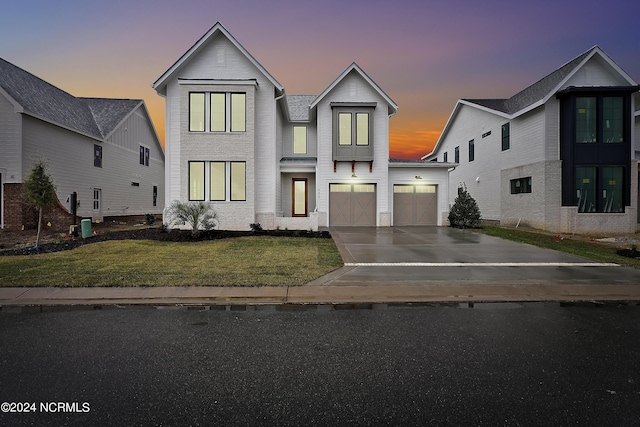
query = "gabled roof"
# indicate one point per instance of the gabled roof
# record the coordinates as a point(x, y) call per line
point(298, 106)
point(109, 113)
point(92, 117)
point(393, 107)
point(535, 95)
point(218, 28)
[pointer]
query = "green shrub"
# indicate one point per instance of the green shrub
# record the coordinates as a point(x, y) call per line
point(464, 212)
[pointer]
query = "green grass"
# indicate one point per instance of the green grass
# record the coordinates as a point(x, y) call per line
point(243, 261)
point(575, 246)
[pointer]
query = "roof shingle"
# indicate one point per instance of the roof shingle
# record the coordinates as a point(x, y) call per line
point(95, 117)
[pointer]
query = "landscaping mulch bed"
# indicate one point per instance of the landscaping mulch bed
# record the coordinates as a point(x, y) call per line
point(159, 234)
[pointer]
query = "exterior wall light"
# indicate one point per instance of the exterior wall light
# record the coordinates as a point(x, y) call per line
point(418, 177)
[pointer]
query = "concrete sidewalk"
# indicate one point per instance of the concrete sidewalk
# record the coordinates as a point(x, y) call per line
point(428, 292)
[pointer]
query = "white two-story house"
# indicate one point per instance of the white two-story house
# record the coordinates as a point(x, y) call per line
point(236, 139)
point(559, 155)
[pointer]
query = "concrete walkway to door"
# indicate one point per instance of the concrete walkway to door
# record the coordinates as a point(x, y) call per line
point(447, 256)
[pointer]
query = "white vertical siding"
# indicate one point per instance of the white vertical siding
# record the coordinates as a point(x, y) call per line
point(221, 60)
point(344, 92)
point(596, 72)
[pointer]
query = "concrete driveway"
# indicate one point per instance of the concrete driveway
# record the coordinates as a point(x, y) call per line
point(443, 255)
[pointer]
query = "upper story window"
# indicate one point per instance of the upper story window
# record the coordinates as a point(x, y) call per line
point(353, 127)
point(299, 140)
point(353, 131)
point(196, 112)
point(592, 127)
point(472, 151)
point(506, 136)
point(445, 157)
point(227, 112)
point(97, 155)
point(144, 155)
point(456, 154)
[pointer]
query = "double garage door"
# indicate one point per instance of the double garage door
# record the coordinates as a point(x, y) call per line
point(415, 205)
point(355, 204)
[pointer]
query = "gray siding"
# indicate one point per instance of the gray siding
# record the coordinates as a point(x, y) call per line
point(10, 134)
point(70, 160)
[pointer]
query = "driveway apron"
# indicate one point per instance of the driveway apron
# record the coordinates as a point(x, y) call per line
point(443, 255)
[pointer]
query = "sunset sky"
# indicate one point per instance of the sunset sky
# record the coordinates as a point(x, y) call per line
point(424, 54)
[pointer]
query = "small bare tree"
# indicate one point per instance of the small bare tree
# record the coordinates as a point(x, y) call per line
point(198, 215)
point(39, 191)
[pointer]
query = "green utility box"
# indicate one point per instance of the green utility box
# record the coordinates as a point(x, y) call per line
point(86, 228)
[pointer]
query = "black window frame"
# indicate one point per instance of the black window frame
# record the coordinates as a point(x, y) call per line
point(506, 136)
point(97, 155)
point(600, 153)
point(456, 154)
point(472, 150)
point(521, 185)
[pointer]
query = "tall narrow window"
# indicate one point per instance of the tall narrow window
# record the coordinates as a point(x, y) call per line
point(472, 151)
point(238, 112)
point(196, 180)
point(155, 195)
point(141, 155)
point(196, 112)
point(218, 115)
point(445, 157)
point(97, 155)
point(238, 181)
point(612, 180)
point(147, 154)
point(586, 119)
point(586, 188)
point(456, 154)
point(299, 140)
point(506, 136)
point(612, 120)
point(344, 123)
point(362, 128)
point(218, 181)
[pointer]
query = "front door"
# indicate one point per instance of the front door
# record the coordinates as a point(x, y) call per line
point(299, 197)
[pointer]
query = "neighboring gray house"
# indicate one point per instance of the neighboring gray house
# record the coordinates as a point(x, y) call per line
point(560, 155)
point(105, 150)
point(236, 139)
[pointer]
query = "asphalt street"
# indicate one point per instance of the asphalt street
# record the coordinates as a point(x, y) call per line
point(490, 364)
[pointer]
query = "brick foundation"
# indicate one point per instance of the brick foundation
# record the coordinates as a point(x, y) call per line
point(18, 214)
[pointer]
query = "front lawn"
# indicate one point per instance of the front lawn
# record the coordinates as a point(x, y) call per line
point(576, 245)
point(242, 261)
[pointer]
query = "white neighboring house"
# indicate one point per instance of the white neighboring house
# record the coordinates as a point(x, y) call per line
point(105, 150)
point(559, 155)
point(236, 139)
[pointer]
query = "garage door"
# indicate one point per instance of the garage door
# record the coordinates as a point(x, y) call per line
point(352, 204)
point(415, 205)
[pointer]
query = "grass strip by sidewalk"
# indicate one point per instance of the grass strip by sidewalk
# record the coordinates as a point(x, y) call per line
point(574, 246)
point(243, 261)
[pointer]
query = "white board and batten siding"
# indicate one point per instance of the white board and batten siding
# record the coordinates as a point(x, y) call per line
point(220, 60)
point(353, 88)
